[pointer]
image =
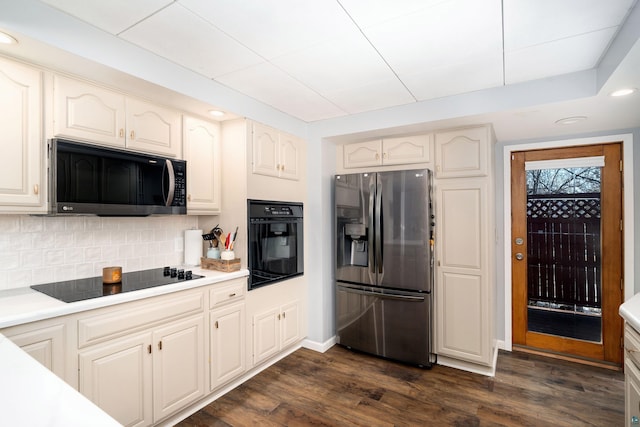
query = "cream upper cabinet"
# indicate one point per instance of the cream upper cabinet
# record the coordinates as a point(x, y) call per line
point(88, 112)
point(363, 154)
point(152, 128)
point(275, 153)
point(22, 176)
point(203, 155)
point(406, 150)
point(91, 113)
point(388, 151)
point(463, 152)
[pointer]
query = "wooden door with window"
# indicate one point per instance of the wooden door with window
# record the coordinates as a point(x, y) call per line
point(566, 251)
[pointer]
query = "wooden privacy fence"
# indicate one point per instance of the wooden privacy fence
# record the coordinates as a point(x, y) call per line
point(563, 249)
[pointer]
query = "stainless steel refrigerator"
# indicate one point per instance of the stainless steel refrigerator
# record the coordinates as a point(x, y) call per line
point(384, 264)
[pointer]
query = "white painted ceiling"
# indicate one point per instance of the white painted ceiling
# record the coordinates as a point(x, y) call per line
point(323, 59)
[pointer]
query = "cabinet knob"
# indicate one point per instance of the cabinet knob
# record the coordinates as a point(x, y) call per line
point(132, 134)
point(384, 155)
point(36, 189)
point(278, 316)
point(188, 197)
point(284, 315)
point(149, 349)
point(216, 324)
point(377, 156)
point(519, 256)
point(121, 133)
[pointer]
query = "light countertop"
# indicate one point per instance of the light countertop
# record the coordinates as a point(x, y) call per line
point(32, 395)
point(630, 311)
point(24, 305)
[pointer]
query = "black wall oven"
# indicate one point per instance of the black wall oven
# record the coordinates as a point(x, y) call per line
point(276, 244)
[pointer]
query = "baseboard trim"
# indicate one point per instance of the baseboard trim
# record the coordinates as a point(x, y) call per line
point(320, 347)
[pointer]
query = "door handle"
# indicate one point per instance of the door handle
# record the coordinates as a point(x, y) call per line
point(519, 256)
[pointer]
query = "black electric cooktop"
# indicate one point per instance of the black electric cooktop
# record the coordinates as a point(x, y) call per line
point(92, 287)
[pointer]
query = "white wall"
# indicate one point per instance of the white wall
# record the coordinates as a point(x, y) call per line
point(37, 249)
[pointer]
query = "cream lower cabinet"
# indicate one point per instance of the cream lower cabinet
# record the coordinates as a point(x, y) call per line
point(227, 343)
point(22, 174)
point(463, 293)
point(44, 341)
point(201, 143)
point(274, 330)
point(143, 378)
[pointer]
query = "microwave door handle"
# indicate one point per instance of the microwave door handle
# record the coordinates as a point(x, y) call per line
point(172, 182)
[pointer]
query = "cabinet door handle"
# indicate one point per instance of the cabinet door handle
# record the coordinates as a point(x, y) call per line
point(232, 295)
point(121, 133)
point(149, 349)
point(384, 155)
point(216, 324)
point(284, 315)
point(133, 134)
point(278, 316)
point(159, 345)
point(36, 189)
point(377, 156)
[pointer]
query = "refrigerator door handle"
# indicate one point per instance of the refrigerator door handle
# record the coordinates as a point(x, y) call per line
point(378, 228)
point(370, 233)
point(383, 294)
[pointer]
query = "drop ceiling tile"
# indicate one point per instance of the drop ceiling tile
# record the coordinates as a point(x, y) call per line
point(369, 97)
point(555, 58)
point(274, 27)
point(448, 32)
point(272, 86)
point(454, 79)
point(527, 23)
point(368, 13)
point(337, 64)
point(180, 36)
point(112, 16)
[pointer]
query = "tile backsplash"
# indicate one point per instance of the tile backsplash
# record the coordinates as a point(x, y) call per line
point(40, 249)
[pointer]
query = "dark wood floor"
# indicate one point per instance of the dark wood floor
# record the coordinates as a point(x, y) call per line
point(344, 388)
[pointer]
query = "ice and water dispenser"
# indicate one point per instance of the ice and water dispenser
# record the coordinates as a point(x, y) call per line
point(356, 245)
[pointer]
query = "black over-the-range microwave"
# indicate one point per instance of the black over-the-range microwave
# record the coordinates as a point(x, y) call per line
point(88, 179)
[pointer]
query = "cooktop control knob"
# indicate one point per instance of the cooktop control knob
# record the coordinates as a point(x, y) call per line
point(188, 275)
point(166, 271)
point(180, 274)
point(174, 272)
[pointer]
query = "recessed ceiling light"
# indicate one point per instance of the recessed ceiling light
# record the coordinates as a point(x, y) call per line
point(623, 92)
point(216, 113)
point(7, 39)
point(571, 120)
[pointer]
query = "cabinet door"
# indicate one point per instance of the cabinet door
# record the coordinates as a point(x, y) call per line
point(45, 344)
point(265, 150)
point(632, 393)
point(227, 352)
point(406, 150)
point(462, 153)
point(362, 154)
point(88, 112)
point(290, 323)
point(266, 335)
point(116, 376)
point(202, 153)
point(463, 327)
point(21, 183)
point(178, 365)
point(153, 129)
point(289, 164)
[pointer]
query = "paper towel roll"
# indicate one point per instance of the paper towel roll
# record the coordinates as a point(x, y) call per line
point(192, 247)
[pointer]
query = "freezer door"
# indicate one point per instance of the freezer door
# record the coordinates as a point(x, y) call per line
point(395, 325)
point(354, 209)
point(404, 214)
